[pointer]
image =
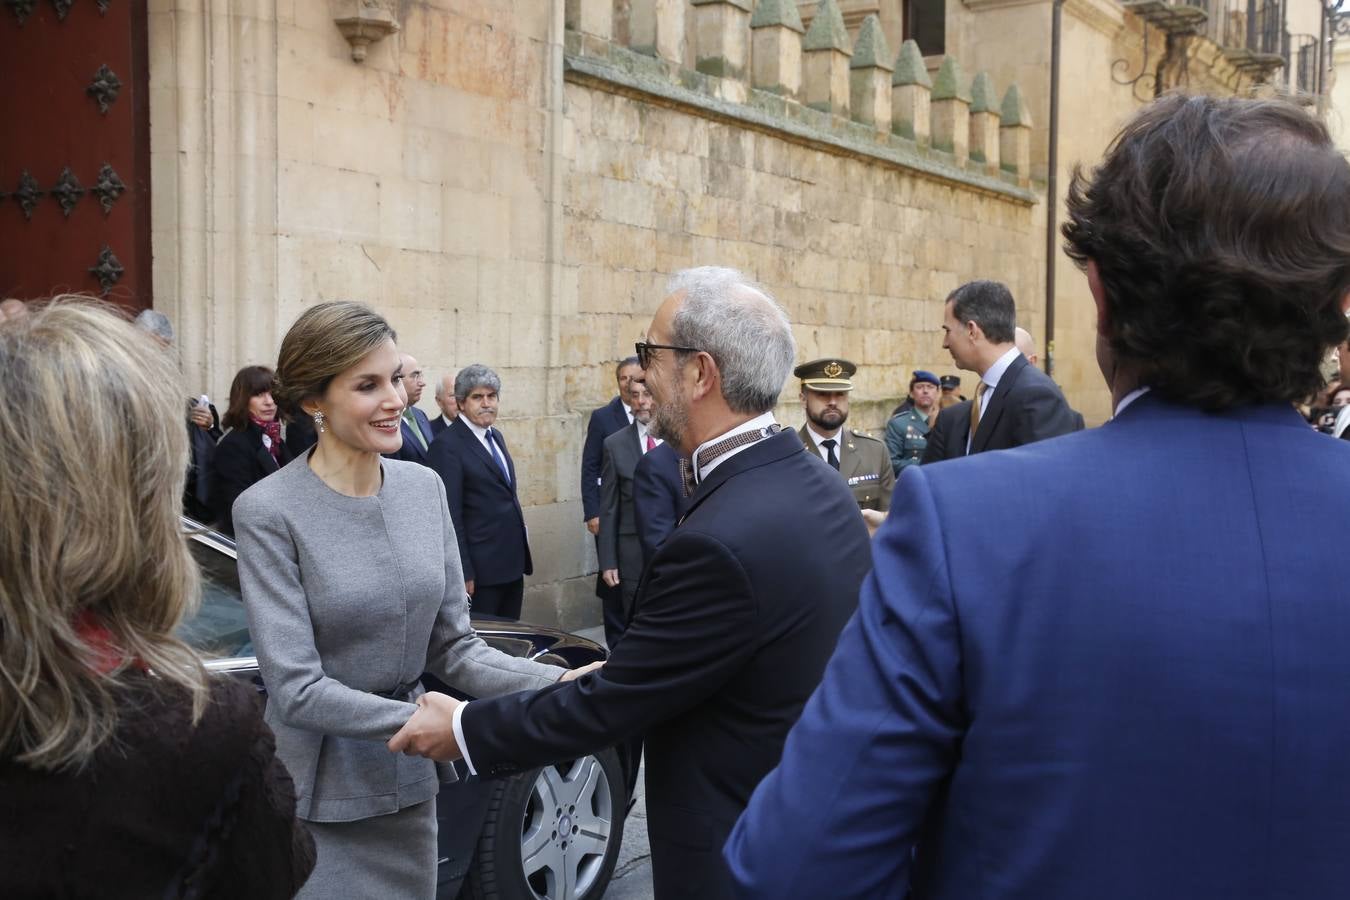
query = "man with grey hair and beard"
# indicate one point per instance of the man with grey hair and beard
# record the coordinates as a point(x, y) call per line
point(738, 610)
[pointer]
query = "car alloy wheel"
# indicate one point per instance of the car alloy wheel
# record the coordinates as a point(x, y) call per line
point(552, 834)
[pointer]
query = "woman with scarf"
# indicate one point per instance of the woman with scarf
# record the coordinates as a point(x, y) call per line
point(253, 448)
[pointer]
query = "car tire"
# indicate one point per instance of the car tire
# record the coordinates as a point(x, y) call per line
point(523, 853)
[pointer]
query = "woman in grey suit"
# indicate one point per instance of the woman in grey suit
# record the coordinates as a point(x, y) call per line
point(352, 583)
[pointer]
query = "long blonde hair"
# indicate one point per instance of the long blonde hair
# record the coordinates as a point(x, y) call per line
point(93, 455)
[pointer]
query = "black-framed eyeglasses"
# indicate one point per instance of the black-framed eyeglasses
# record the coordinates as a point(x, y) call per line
point(644, 351)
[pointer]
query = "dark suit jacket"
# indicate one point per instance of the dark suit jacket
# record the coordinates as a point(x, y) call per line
point(658, 498)
point(411, 450)
point(1128, 683)
point(947, 437)
point(1025, 407)
point(241, 460)
point(736, 616)
point(437, 426)
point(484, 506)
point(603, 422)
point(618, 546)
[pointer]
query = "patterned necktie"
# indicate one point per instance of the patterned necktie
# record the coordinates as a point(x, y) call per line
point(977, 408)
point(492, 445)
point(710, 453)
point(829, 445)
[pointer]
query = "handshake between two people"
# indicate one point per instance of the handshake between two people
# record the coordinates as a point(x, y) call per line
point(431, 731)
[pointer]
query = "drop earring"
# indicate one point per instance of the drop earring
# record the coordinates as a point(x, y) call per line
point(318, 422)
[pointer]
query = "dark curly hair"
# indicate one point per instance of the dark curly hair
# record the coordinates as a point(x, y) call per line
point(1220, 229)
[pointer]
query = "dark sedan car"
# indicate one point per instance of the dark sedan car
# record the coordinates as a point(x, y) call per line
point(497, 838)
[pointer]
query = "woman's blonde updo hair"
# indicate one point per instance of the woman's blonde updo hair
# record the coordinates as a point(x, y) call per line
point(327, 340)
point(93, 455)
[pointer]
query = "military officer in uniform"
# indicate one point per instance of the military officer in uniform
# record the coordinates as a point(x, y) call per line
point(861, 459)
point(907, 432)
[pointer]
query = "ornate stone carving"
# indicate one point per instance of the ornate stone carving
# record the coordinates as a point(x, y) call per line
point(67, 191)
point(28, 194)
point(104, 88)
point(108, 270)
point(22, 9)
point(108, 188)
point(369, 21)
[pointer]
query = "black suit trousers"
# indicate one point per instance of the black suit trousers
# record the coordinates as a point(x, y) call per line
point(499, 599)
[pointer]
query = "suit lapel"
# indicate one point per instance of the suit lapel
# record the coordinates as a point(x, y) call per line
point(410, 440)
point(476, 447)
point(989, 422)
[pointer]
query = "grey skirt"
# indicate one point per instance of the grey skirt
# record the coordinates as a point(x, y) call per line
point(380, 857)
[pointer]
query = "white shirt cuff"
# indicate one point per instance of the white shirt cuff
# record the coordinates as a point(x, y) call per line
point(459, 737)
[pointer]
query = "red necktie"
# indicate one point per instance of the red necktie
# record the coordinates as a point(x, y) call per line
point(651, 444)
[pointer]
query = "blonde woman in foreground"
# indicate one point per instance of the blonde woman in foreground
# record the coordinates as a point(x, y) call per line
point(125, 770)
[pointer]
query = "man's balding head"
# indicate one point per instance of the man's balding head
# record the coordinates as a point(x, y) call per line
point(1026, 344)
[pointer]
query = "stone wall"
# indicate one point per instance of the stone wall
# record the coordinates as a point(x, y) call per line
point(511, 190)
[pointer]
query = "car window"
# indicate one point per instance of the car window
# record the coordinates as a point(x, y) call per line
point(220, 628)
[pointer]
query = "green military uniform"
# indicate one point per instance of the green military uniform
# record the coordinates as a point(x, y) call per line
point(906, 438)
point(864, 465)
point(863, 462)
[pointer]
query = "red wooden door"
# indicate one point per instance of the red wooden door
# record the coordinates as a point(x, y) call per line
point(74, 149)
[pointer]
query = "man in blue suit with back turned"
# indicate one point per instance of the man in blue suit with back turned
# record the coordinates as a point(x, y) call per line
point(1101, 666)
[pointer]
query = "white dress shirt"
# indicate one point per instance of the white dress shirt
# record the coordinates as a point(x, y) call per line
point(1130, 398)
point(758, 423)
point(642, 431)
point(825, 451)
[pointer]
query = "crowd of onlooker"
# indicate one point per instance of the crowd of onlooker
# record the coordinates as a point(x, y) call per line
point(1329, 411)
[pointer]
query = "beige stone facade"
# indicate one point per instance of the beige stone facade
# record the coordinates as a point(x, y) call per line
point(511, 182)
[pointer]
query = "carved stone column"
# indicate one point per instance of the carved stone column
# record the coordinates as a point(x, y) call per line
point(776, 47)
point(213, 162)
point(984, 139)
point(827, 51)
point(951, 111)
point(1014, 136)
point(870, 77)
point(910, 95)
point(593, 17)
point(656, 27)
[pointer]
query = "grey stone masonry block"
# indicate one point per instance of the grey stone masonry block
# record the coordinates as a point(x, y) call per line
point(827, 31)
point(1014, 109)
point(777, 12)
point(870, 77)
point(776, 48)
point(722, 37)
point(656, 27)
point(593, 17)
point(983, 99)
point(950, 82)
point(871, 50)
point(910, 68)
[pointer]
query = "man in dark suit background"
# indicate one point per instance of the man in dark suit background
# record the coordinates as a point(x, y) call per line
point(658, 498)
point(619, 547)
point(480, 486)
point(415, 427)
point(736, 614)
point(445, 401)
point(1014, 403)
point(1101, 667)
point(602, 423)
